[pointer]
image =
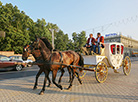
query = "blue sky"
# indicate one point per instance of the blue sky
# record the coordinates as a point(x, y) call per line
point(88, 15)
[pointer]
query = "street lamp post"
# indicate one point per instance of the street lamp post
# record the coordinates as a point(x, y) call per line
point(2, 34)
point(52, 31)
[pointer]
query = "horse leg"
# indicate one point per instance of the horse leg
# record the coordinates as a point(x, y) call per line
point(78, 78)
point(49, 81)
point(73, 74)
point(44, 84)
point(62, 73)
point(37, 76)
point(69, 70)
point(54, 73)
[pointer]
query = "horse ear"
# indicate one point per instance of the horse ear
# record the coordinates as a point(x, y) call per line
point(37, 40)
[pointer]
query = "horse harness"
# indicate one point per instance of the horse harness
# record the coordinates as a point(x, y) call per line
point(61, 60)
point(50, 62)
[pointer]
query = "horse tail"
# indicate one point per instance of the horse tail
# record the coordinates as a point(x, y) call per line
point(81, 61)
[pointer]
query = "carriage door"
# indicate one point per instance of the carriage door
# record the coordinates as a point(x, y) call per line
point(113, 55)
point(119, 55)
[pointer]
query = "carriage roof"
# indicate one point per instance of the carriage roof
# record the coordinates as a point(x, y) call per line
point(116, 43)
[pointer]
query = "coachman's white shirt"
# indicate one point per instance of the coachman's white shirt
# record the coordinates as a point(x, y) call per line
point(90, 41)
point(99, 39)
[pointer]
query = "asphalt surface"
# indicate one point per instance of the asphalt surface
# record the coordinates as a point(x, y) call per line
point(117, 88)
point(27, 71)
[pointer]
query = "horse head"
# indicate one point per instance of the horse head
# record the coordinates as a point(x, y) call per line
point(40, 49)
point(36, 44)
point(33, 48)
point(27, 50)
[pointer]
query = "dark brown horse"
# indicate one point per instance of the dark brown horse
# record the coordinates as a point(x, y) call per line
point(38, 57)
point(69, 58)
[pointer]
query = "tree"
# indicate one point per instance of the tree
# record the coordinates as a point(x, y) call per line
point(70, 45)
point(61, 40)
point(79, 39)
point(14, 24)
point(82, 38)
point(75, 40)
point(21, 30)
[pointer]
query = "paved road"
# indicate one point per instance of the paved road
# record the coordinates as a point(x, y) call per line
point(117, 88)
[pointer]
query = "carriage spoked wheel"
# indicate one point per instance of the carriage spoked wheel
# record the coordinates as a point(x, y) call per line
point(127, 65)
point(101, 72)
point(82, 73)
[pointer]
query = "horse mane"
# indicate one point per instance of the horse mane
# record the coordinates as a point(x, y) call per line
point(47, 43)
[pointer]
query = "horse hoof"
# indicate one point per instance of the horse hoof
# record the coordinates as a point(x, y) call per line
point(49, 85)
point(69, 88)
point(34, 88)
point(41, 93)
point(81, 82)
point(60, 87)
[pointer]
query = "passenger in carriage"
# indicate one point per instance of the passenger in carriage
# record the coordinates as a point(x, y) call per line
point(100, 42)
point(90, 43)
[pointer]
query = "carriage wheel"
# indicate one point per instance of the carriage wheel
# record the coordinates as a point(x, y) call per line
point(82, 73)
point(127, 65)
point(101, 72)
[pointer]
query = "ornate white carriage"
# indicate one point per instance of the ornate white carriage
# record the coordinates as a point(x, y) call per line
point(112, 56)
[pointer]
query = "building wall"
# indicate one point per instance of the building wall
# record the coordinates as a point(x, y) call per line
point(11, 53)
point(7, 53)
point(113, 39)
point(130, 44)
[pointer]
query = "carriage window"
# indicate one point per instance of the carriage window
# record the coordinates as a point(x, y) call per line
point(113, 49)
point(118, 49)
point(122, 49)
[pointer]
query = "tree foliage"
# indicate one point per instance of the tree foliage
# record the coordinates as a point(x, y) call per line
point(13, 23)
point(79, 39)
point(21, 30)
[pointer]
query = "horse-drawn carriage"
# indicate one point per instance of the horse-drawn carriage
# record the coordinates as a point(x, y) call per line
point(112, 56)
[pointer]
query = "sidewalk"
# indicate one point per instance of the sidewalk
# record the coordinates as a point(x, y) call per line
point(134, 59)
point(117, 88)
